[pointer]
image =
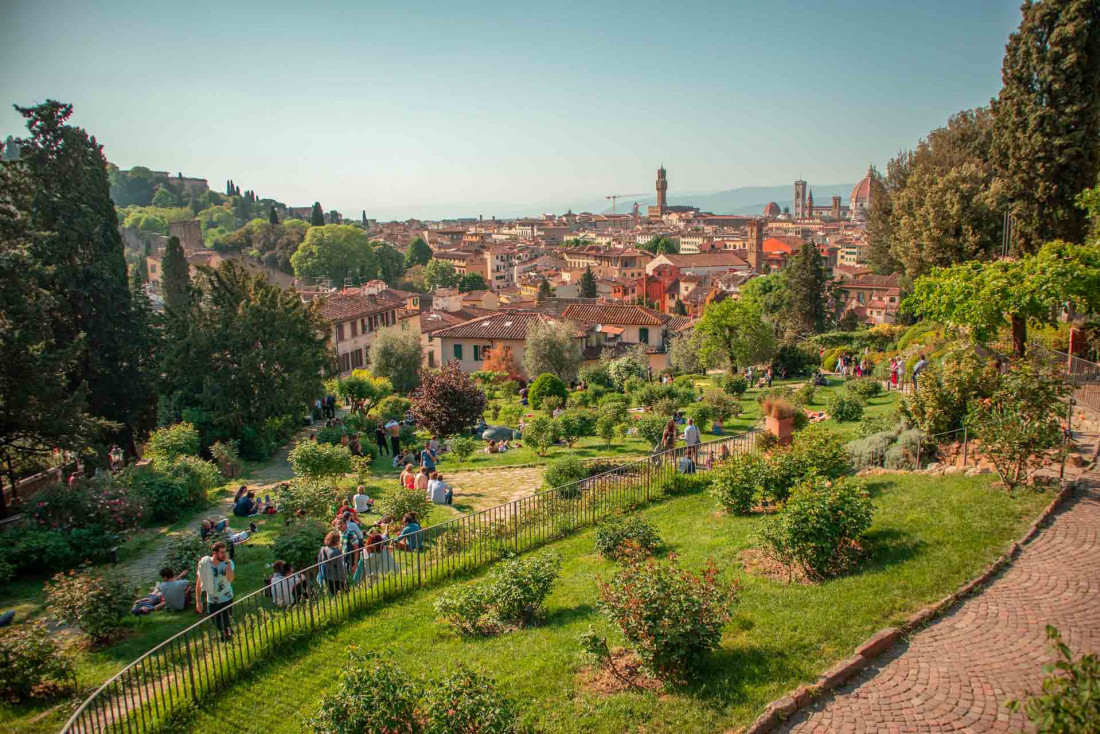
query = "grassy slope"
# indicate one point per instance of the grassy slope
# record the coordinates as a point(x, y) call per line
point(929, 535)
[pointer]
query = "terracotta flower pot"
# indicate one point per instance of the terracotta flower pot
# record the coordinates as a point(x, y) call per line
point(781, 428)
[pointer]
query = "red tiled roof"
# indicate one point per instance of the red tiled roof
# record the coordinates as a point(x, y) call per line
point(349, 305)
point(606, 314)
point(873, 281)
point(680, 323)
point(722, 258)
point(507, 324)
point(432, 321)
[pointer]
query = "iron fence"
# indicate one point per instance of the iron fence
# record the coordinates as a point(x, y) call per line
point(178, 672)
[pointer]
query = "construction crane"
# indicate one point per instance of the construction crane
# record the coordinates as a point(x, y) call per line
point(616, 197)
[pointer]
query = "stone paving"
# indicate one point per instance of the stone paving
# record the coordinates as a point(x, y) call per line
point(480, 489)
point(956, 674)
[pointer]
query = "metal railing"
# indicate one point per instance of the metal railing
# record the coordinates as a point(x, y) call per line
point(178, 672)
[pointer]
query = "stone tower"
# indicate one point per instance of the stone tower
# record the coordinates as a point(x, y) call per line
point(662, 189)
point(755, 244)
point(810, 206)
point(836, 207)
point(799, 199)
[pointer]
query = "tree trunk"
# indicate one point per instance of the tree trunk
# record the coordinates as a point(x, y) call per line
point(1019, 335)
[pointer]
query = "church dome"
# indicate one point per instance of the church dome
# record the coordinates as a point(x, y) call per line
point(861, 194)
point(772, 210)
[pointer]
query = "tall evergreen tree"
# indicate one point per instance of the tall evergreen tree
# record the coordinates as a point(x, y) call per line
point(175, 277)
point(364, 217)
point(272, 217)
point(545, 291)
point(806, 286)
point(1047, 132)
point(588, 284)
point(418, 253)
point(317, 216)
point(84, 269)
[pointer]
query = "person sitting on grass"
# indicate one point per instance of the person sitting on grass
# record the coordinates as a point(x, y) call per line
point(283, 584)
point(174, 588)
point(362, 503)
point(421, 482)
point(687, 464)
point(438, 491)
point(409, 538)
point(346, 508)
point(213, 526)
point(492, 448)
point(246, 506)
point(408, 477)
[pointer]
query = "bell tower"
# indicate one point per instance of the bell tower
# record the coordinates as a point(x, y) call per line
point(755, 244)
point(662, 189)
point(799, 199)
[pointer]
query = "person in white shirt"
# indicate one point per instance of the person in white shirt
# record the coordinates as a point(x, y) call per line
point(362, 503)
point(692, 438)
point(283, 584)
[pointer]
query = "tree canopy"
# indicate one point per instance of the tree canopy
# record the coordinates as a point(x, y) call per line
point(472, 282)
point(418, 253)
point(588, 284)
point(396, 355)
point(440, 274)
point(338, 252)
point(735, 332)
point(551, 347)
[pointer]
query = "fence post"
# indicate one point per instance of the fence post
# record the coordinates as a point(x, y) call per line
point(966, 443)
point(515, 524)
point(918, 452)
point(191, 673)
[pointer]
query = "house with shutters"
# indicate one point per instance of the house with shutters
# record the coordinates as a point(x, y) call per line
point(354, 318)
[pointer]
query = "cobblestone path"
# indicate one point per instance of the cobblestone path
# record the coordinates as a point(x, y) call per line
point(956, 674)
point(477, 490)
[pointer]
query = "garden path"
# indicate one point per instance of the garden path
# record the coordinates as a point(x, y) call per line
point(480, 489)
point(956, 674)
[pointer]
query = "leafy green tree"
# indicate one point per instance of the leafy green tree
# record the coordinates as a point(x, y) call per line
point(440, 274)
point(806, 288)
point(734, 331)
point(545, 291)
point(362, 389)
point(684, 354)
point(165, 198)
point(472, 282)
point(418, 253)
point(335, 251)
point(83, 268)
point(662, 245)
point(252, 354)
point(588, 283)
point(1046, 142)
point(391, 264)
point(317, 216)
point(175, 277)
point(879, 231)
point(551, 347)
point(396, 355)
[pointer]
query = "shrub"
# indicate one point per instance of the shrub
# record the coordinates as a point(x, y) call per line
point(607, 428)
point(735, 385)
point(509, 389)
point(664, 407)
point(257, 444)
point(564, 472)
point(844, 408)
point(463, 447)
point(680, 484)
point(614, 532)
point(94, 601)
point(541, 433)
point(741, 481)
point(651, 428)
point(671, 618)
point(871, 450)
point(467, 702)
point(227, 456)
point(864, 388)
point(392, 407)
point(596, 374)
point(575, 424)
point(512, 595)
point(702, 414)
point(165, 444)
point(872, 424)
point(313, 496)
point(1070, 703)
point(372, 695)
point(723, 406)
point(299, 542)
point(195, 475)
point(820, 525)
point(633, 385)
point(399, 501)
point(316, 460)
point(331, 434)
point(184, 551)
point(805, 394)
point(104, 503)
point(544, 386)
point(32, 663)
point(792, 360)
point(614, 398)
point(820, 451)
point(778, 409)
point(903, 454)
point(510, 415)
point(947, 390)
point(165, 496)
point(550, 403)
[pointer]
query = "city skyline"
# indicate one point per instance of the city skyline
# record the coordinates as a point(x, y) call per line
point(499, 111)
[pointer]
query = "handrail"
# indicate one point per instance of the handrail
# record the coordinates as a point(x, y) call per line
point(144, 694)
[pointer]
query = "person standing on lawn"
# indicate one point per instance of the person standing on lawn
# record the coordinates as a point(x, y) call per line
point(215, 576)
point(692, 438)
point(380, 439)
point(393, 428)
point(918, 368)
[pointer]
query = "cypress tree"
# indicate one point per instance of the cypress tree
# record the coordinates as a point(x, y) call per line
point(1046, 138)
point(272, 217)
point(175, 278)
point(317, 216)
point(806, 283)
point(588, 284)
point(544, 290)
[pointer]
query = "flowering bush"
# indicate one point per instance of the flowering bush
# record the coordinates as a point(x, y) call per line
point(671, 618)
point(101, 503)
point(820, 525)
point(94, 601)
point(614, 532)
point(467, 702)
point(372, 695)
point(32, 663)
point(512, 596)
point(844, 408)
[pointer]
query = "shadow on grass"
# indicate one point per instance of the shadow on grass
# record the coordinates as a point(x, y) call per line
point(566, 616)
point(889, 547)
point(726, 676)
point(877, 487)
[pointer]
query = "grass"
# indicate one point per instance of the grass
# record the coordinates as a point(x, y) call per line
point(929, 535)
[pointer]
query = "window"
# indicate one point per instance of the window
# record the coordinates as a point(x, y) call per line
point(458, 351)
point(339, 332)
point(354, 329)
point(356, 359)
point(477, 353)
point(431, 359)
point(363, 326)
point(345, 363)
point(643, 335)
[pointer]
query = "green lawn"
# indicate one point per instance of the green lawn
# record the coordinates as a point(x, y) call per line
point(929, 535)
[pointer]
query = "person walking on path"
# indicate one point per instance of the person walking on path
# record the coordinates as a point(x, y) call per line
point(893, 374)
point(215, 576)
point(917, 369)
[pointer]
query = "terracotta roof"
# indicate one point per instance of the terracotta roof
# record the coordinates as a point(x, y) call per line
point(508, 324)
point(783, 244)
point(605, 314)
point(432, 321)
point(680, 323)
point(350, 305)
point(707, 260)
point(873, 281)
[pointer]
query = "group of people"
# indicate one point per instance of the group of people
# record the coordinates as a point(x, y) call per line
point(763, 380)
point(428, 481)
point(849, 366)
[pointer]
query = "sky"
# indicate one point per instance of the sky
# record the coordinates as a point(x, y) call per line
point(499, 107)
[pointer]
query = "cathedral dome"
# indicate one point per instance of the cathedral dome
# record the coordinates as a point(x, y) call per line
point(772, 210)
point(861, 194)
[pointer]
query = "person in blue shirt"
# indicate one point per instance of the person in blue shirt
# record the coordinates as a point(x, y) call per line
point(428, 459)
point(246, 505)
point(410, 534)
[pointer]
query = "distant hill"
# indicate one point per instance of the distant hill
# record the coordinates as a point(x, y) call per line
point(742, 200)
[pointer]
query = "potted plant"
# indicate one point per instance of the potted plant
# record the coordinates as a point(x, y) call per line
point(779, 418)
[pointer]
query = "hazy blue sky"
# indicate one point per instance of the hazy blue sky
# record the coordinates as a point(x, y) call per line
point(487, 107)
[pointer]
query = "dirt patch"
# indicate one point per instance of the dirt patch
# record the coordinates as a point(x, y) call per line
point(602, 681)
point(758, 563)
